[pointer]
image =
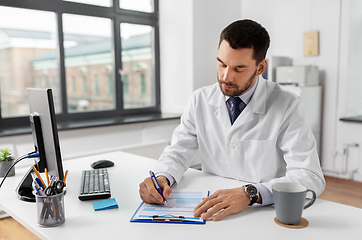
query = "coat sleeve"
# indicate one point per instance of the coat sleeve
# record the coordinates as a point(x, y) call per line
point(178, 156)
point(298, 145)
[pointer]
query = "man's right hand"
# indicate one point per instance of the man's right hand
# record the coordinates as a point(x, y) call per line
point(148, 192)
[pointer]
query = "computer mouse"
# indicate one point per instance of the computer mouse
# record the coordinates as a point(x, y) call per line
point(102, 164)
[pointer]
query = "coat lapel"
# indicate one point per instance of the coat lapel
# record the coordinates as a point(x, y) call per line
point(221, 111)
point(258, 101)
point(256, 105)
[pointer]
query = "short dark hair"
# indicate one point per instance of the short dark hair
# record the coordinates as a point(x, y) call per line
point(247, 33)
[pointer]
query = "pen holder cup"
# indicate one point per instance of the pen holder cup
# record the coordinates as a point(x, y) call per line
point(50, 210)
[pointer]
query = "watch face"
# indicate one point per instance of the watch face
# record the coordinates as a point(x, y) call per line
point(251, 191)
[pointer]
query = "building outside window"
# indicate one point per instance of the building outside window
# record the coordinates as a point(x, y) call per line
point(23, 44)
point(80, 55)
point(143, 84)
point(73, 85)
point(125, 83)
point(109, 84)
point(84, 84)
point(96, 85)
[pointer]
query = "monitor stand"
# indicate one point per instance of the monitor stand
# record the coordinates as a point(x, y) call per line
point(25, 189)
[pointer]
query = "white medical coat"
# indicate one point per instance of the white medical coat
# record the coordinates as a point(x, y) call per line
point(269, 142)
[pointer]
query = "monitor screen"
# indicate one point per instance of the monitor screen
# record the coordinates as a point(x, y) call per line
point(41, 106)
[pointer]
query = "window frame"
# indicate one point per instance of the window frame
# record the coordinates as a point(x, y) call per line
point(117, 16)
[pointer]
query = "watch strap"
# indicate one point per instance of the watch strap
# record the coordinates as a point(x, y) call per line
point(253, 200)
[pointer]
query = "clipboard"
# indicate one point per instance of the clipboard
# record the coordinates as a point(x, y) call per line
point(180, 209)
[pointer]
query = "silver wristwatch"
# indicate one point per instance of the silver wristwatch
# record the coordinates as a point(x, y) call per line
point(252, 192)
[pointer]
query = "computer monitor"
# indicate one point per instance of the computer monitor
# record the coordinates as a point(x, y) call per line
point(41, 104)
point(45, 138)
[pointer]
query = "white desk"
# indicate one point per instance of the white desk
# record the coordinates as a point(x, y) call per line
point(327, 220)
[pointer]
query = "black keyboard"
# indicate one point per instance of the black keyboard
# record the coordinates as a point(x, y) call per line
point(94, 185)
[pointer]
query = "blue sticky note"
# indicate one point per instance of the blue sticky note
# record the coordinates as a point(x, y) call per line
point(105, 204)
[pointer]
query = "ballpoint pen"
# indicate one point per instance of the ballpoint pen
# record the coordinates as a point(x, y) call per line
point(157, 185)
point(40, 184)
point(38, 189)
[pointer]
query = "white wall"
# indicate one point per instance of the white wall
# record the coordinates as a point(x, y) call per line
point(189, 36)
point(176, 44)
point(209, 19)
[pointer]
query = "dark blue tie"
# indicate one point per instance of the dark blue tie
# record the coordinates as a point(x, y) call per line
point(236, 109)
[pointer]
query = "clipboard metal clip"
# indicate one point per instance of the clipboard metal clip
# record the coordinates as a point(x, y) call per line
point(167, 218)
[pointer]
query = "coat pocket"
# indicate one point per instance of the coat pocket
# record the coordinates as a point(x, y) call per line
point(261, 159)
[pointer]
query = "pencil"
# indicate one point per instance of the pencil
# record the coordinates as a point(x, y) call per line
point(37, 173)
point(46, 173)
point(65, 176)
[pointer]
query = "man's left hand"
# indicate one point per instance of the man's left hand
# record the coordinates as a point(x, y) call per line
point(226, 202)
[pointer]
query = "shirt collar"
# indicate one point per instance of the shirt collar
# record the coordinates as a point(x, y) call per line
point(246, 96)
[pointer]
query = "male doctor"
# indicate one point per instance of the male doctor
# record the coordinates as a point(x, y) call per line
point(245, 127)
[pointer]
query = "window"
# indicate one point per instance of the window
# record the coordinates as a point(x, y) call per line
point(79, 48)
point(88, 51)
point(96, 85)
point(104, 3)
point(137, 59)
point(73, 85)
point(353, 84)
point(84, 84)
point(23, 43)
point(125, 84)
point(142, 85)
point(110, 84)
point(137, 5)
